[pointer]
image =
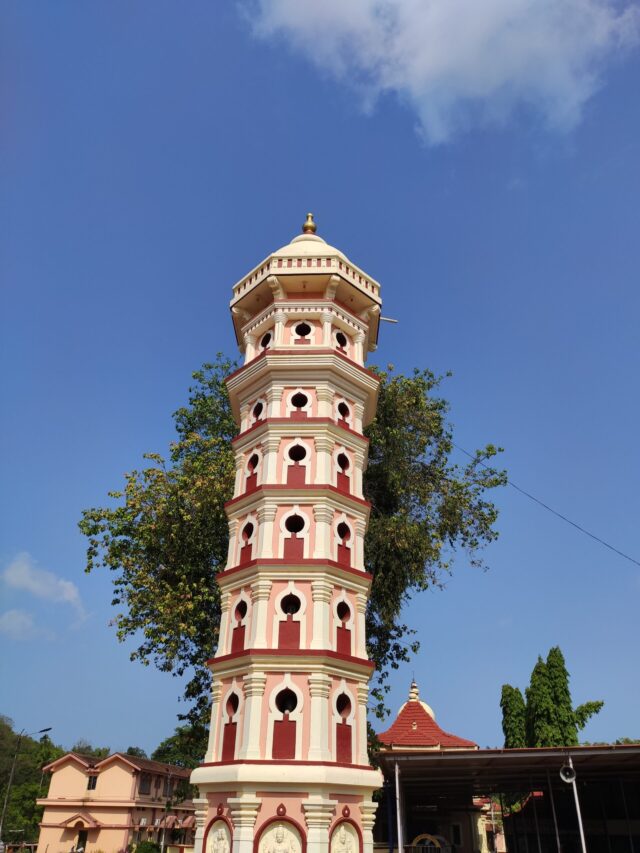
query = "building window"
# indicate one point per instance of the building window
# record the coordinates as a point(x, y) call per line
point(92, 781)
point(145, 783)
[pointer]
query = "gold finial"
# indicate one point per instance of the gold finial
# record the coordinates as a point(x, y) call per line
point(309, 226)
point(414, 693)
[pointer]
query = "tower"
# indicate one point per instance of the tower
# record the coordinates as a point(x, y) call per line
point(286, 769)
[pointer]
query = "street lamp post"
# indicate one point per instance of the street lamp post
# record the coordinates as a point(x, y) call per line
point(21, 735)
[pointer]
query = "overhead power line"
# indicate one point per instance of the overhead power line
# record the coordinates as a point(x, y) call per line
point(555, 512)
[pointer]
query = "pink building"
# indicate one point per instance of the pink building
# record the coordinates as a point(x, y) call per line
point(286, 768)
point(107, 804)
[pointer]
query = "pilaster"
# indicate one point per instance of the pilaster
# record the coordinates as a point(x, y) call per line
point(266, 517)
point(260, 592)
point(319, 687)
point(243, 811)
point(253, 684)
point(318, 814)
point(368, 815)
point(201, 808)
point(321, 591)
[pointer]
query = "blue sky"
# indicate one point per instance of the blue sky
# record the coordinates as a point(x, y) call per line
point(486, 174)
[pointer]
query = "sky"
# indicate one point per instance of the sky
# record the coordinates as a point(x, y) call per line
point(480, 160)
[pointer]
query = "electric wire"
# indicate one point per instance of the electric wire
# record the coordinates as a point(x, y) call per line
point(555, 511)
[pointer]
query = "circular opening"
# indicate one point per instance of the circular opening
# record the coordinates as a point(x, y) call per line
point(290, 604)
point(297, 453)
point(343, 705)
point(232, 704)
point(344, 611)
point(294, 524)
point(266, 340)
point(343, 410)
point(343, 531)
point(303, 330)
point(286, 701)
point(241, 610)
point(257, 410)
point(343, 461)
point(341, 339)
point(299, 400)
point(253, 462)
point(247, 531)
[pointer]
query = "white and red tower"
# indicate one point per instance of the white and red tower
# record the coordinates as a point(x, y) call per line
point(286, 769)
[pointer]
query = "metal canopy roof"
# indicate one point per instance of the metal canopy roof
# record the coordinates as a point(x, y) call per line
point(482, 771)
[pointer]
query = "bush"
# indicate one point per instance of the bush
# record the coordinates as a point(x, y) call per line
point(148, 847)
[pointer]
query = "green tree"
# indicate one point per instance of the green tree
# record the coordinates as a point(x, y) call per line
point(23, 815)
point(165, 535)
point(549, 716)
point(540, 712)
point(185, 747)
point(83, 747)
point(136, 752)
point(513, 717)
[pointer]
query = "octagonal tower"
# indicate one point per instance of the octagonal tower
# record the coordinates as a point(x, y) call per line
point(286, 768)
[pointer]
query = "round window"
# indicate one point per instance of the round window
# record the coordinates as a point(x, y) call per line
point(294, 524)
point(299, 400)
point(341, 340)
point(297, 453)
point(266, 340)
point(303, 330)
point(286, 701)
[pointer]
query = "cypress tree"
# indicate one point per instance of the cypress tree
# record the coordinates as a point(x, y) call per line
point(566, 732)
point(540, 723)
point(513, 717)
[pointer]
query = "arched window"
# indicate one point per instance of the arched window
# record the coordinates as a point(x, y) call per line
point(265, 341)
point(237, 635)
point(296, 470)
point(230, 727)
point(341, 341)
point(343, 479)
point(302, 333)
point(299, 405)
point(289, 629)
point(343, 413)
point(343, 535)
point(258, 411)
point(294, 526)
point(284, 730)
point(251, 476)
point(343, 632)
point(343, 729)
point(247, 538)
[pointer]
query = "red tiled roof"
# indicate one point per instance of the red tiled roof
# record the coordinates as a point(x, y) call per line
point(415, 727)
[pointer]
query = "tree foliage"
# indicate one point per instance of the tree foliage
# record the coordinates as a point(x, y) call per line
point(549, 716)
point(513, 717)
point(83, 747)
point(185, 747)
point(29, 782)
point(165, 535)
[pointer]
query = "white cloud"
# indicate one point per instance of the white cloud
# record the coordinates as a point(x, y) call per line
point(18, 625)
point(459, 62)
point(23, 574)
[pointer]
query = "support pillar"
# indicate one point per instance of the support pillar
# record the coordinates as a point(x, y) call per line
point(321, 590)
point(318, 813)
point(254, 684)
point(243, 811)
point(319, 686)
point(368, 816)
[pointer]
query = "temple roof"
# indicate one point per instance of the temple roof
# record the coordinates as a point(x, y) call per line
point(415, 728)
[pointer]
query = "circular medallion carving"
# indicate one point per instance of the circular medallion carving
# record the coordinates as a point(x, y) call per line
point(220, 809)
point(281, 810)
point(346, 811)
